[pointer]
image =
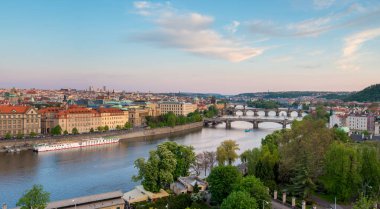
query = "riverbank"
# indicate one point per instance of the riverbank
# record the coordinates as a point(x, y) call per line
point(140, 134)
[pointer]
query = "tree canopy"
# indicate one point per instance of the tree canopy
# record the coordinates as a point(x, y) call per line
point(35, 198)
point(239, 200)
point(226, 152)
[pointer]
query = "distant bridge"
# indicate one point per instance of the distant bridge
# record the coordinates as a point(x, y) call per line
point(254, 120)
point(233, 109)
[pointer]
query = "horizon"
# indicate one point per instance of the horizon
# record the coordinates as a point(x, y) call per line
point(171, 46)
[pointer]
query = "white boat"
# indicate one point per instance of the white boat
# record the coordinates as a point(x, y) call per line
point(71, 145)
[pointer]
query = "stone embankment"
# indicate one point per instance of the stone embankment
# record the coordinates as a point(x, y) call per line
point(137, 134)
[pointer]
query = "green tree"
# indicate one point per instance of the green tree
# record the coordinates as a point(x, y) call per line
point(100, 128)
point(221, 181)
point(340, 135)
point(156, 172)
point(302, 184)
point(8, 136)
point(363, 203)
point(57, 130)
point(127, 125)
point(91, 130)
point(65, 132)
point(33, 134)
point(35, 198)
point(239, 200)
point(184, 156)
point(195, 188)
point(254, 187)
point(118, 127)
point(106, 128)
point(226, 152)
point(341, 171)
point(171, 119)
point(20, 136)
point(370, 171)
point(75, 131)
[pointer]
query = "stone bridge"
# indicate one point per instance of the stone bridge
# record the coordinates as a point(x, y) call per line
point(254, 120)
point(244, 109)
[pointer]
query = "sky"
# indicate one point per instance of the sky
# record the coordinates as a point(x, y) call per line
point(221, 46)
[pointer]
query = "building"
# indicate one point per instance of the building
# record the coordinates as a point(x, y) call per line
point(377, 129)
point(113, 117)
point(358, 123)
point(337, 120)
point(178, 108)
point(137, 116)
point(139, 194)
point(19, 120)
point(186, 185)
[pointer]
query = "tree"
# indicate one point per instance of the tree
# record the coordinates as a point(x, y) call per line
point(221, 181)
point(35, 198)
point(302, 184)
point(100, 128)
point(20, 136)
point(341, 171)
point(363, 203)
point(8, 136)
point(32, 134)
point(211, 158)
point(164, 165)
point(239, 200)
point(118, 127)
point(195, 188)
point(127, 125)
point(106, 128)
point(65, 132)
point(370, 171)
point(75, 131)
point(254, 187)
point(226, 152)
point(171, 119)
point(91, 130)
point(57, 130)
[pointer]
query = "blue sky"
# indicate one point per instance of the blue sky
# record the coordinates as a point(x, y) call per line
point(195, 46)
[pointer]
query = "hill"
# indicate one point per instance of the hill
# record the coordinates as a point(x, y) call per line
point(369, 94)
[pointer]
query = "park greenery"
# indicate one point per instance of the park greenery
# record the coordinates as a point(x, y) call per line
point(226, 152)
point(171, 120)
point(211, 112)
point(35, 198)
point(267, 104)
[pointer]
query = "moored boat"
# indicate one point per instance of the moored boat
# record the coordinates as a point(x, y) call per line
point(71, 145)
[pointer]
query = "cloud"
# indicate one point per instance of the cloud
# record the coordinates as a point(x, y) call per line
point(353, 15)
point(352, 44)
point(232, 28)
point(323, 4)
point(192, 32)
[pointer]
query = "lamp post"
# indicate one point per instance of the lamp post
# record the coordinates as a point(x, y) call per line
point(75, 204)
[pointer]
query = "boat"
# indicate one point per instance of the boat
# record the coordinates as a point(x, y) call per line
point(248, 130)
point(72, 145)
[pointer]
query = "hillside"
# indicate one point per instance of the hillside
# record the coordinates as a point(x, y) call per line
point(369, 94)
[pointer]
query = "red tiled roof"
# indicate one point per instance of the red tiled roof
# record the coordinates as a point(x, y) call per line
point(9, 109)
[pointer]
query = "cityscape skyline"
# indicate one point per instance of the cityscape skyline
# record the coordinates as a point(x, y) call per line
point(320, 45)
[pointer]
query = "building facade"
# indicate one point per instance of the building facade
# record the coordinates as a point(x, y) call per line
point(361, 123)
point(19, 120)
point(178, 108)
point(113, 117)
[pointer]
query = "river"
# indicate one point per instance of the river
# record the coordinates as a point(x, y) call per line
point(79, 172)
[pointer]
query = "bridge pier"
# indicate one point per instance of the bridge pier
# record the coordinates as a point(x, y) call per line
point(244, 112)
point(255, 113)
point(277, 113)
point(266, 113)
point(299, 114)
point(228, 124)
point(255, 125)
point(284, 125)
point(288, 114)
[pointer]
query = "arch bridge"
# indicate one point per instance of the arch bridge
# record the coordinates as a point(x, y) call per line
point(232, 109)
point(255, 121)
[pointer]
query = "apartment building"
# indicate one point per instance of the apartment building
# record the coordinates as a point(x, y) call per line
point(81, 118)
point(113, 117)
point(19, 120)
point(361, 123)
point(178, 108)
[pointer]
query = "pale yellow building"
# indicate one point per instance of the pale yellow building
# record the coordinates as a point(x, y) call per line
point(137, 116)
point(19, 120)
point(178, 108)
point(113, 117)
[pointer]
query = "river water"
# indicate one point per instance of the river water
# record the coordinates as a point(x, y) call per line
point(79, 172)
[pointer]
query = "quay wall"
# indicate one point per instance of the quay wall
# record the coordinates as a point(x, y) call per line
point(140, 134)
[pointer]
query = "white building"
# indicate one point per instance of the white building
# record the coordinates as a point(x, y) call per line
point(377, 129)
point(337, 120)
point(178, 108)
point(361, 123)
